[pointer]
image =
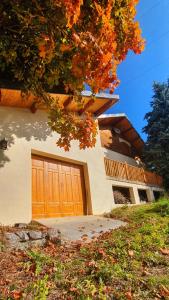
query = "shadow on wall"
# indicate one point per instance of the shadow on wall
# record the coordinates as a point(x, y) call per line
point(15, 126)
point(3, 158)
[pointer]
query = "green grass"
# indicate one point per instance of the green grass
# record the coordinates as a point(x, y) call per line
point(142, 212)
point(126, 263)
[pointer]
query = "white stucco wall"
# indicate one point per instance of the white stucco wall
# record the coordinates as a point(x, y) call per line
point(133, 189)
point(120, 157)
point(29, 133)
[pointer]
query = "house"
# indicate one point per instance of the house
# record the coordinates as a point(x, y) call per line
point(40, 180)
point(123, 148)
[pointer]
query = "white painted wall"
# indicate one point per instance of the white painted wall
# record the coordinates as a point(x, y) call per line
point(120, 157)
point(29, 133)
point(133, 188)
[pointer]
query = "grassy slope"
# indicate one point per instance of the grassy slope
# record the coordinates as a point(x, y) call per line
point(126, 263)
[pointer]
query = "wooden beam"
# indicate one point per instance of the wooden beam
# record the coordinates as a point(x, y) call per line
point(102, 109)
point(68, 101)
point(86, 106)
point(135, 139)
point(127, 130)
point(118, 122)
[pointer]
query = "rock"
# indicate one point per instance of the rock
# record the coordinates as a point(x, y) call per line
point(54, 235)
point(44, 234)
point(12, 240)
point(22, 245)
point(20, 225)
point(37, 243)
point(23, 236)
point(35, 235)
point(11, 236)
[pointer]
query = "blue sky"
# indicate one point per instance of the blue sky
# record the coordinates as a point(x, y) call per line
point(138, 72)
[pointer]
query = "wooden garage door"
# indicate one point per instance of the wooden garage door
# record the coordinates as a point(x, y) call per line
point(57, 188)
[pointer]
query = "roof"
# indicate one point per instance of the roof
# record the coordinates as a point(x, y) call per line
point(127, 130)
point(96, 106)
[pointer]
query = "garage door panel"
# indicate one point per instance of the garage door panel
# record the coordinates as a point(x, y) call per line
point(38, 162)
point(57, 188)
point(38, 189)
point(53, 187)
point(53, 205)
point(52, 166)
point(75, 170)
point(65, 168)
point(69, 187)
point(66, 195)
point(77, 195)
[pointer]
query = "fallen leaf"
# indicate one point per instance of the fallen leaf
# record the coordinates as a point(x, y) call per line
point(84, 238)
point(164, 291)
point(164, 251)
point(16, 294)
point(102, 252)
point(82, 271)
point(84, 235)
point(73, 289)
point(131, 253)
point(91, 264)
point(113, 260)
point(129, 295)
point(146, 273)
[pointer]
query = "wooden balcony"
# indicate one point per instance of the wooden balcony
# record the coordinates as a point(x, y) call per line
point(122, 171)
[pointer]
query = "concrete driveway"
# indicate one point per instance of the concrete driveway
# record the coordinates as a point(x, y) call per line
point(83, 228)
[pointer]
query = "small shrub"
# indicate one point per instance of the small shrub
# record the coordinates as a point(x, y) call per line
point(39, 259)
point(162, 207)
point(40, 288)
point(2, 246)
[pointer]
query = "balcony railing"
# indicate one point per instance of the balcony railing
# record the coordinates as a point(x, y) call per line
point(123, 171)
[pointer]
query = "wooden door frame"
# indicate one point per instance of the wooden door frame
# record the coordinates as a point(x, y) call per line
point(87, 194)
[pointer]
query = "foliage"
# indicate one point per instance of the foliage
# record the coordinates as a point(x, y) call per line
point(46, 45)
point(38, 261)
point(40, 289)
point(157, 145)
point(130, 263)
point(2, 246)
point(140, 213)
point(162, 207)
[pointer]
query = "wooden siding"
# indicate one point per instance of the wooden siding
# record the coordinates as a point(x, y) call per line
point(110, 140)
point(123, 171)
point(127, 131)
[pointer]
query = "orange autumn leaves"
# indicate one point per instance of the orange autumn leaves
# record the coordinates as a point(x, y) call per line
point(73, 127)
point(104, 41)
point(96, 38)
point(72, 10)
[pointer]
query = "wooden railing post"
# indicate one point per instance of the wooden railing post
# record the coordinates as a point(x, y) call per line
point(144, 175)
point(121, 170)
point(127, 171)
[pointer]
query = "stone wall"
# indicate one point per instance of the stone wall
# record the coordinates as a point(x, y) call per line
point(24, 238)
